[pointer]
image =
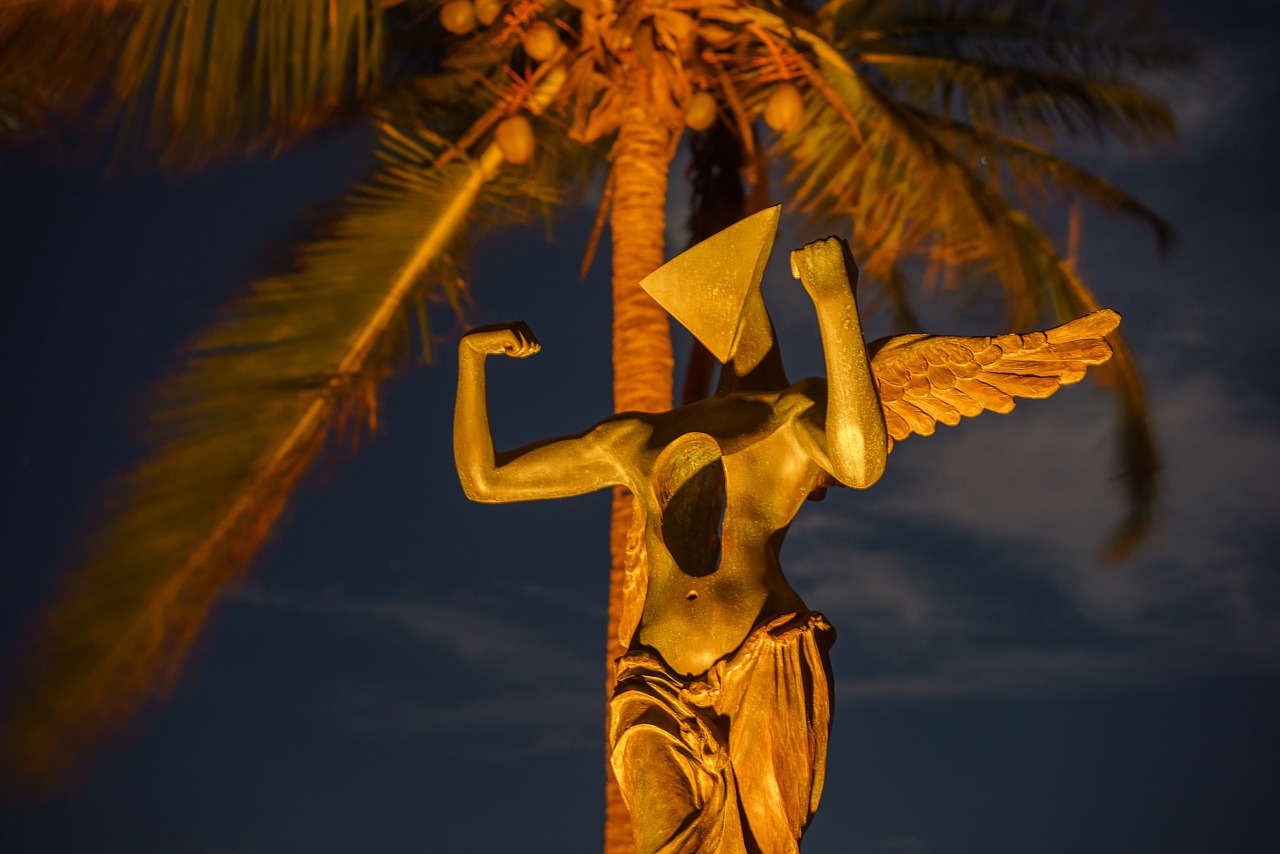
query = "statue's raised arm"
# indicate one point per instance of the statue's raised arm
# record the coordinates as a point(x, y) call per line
point(553, 468)
point(848, 439)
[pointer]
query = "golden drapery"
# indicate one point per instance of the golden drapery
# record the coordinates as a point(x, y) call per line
point(731, 761)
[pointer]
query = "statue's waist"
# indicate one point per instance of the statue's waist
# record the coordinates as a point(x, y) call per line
point(693, 625)
point(647, 661)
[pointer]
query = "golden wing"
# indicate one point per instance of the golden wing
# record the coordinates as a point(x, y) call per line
point(924, 379)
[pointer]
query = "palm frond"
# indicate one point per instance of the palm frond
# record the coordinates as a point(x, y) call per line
point(1138, 457)
point(1043, 69)
point(52, 58)
point(1037, 171)
point(1032, 102)
point(1096, 37)
point(197, 79)
point(904, 191)
point(909, 190)
point(233, 433)
point(1138, 454)
point(916, 183)
point(192, 81)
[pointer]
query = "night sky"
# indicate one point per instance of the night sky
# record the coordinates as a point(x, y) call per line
point(407, 671)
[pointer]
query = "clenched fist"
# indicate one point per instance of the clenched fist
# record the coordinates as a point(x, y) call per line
point(825, 268)
point(511, 339)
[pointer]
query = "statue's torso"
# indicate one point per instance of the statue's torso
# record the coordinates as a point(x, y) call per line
point(742, 453)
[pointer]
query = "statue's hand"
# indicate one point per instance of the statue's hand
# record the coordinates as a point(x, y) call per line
point(511, 339)
point(826, 268)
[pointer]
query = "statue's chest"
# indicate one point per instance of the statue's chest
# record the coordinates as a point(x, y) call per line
point(701, 501)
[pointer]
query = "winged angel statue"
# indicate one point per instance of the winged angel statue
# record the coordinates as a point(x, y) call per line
point(721, 708)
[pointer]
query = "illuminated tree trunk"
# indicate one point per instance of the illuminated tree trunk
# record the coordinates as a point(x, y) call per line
point(718, 200)
point(642, 362)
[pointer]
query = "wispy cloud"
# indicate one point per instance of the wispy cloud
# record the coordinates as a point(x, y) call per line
point(519, 653)
point(521, 682)
point(929, 608)
point(535, 720)
point(1010, 672)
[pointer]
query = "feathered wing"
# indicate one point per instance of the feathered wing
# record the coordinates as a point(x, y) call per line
point(926, 379)
point(929, 125)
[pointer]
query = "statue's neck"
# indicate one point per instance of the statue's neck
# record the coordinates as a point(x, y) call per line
point(756, 364)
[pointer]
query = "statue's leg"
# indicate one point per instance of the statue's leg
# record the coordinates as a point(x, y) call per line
point(671, 763)
point(778, 693)
point(665, 789)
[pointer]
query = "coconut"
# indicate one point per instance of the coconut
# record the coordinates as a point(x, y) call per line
point(541, 41)
point(487, 11)
point(458, 16)
point(784, 111)
point(514, 136)
point(701, 113)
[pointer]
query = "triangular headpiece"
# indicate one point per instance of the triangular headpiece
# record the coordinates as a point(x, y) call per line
point(706, 286)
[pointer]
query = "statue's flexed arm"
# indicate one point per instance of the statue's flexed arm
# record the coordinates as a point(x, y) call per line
point(553, 468)
point(851, 442)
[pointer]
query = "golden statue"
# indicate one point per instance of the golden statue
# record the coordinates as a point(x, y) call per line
point(721, 708)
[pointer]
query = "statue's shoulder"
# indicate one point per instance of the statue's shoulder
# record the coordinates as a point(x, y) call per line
point(803, 405)
point(625, 429)
point(804, 394)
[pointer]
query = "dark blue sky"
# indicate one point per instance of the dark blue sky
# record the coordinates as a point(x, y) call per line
point(407, 671)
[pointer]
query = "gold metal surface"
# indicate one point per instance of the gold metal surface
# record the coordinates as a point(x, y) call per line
point(718, 641)
point(707, 287)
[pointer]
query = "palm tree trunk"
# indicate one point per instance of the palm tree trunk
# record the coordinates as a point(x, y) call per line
point(718, 201)
point(642, 362)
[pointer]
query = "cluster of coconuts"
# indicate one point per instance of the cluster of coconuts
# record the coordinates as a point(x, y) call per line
point(514, 134)
point(783, 111)
point(461, 16)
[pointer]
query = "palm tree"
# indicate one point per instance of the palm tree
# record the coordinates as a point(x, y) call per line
point(923, 128)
